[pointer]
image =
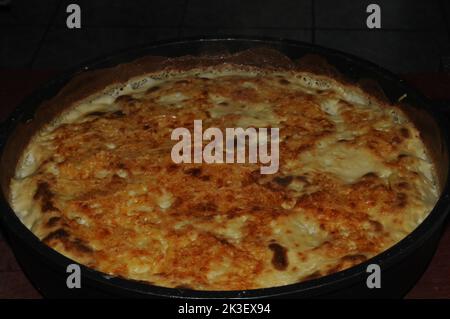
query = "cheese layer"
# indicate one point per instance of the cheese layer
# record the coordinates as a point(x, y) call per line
point(98, 184)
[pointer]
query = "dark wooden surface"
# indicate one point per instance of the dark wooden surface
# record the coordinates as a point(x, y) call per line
point(15, 84)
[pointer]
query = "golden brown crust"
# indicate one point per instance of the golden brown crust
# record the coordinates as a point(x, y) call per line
point(110, 196)
point(88, 83)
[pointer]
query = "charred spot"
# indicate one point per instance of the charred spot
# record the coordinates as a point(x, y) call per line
point(121, 165)
point(118, 114)
point(231, 213)
point(195, 171)
point(401, 200)
point(63, 236)
point(403, 185)
point(43, 190)
point(223, 241)
point(370, 175)
point(48, 206)
point(45, 195)
point(283, 82)
point(404, 132)
point(255, 208)
point(152, 89)
point(283, 181)
point(96, 113)
point(83, 205)
point(377, 226)
point(372, 145)
point(81, 246)
point(124, 98)
point(146, 127)
point(60, 234)
point(279, 259)
point(355, 259)
point(52, 222)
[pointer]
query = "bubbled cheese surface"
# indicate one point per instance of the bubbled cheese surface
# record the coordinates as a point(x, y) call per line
point(99, 185)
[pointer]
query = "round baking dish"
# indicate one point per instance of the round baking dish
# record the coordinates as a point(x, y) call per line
point(401, 265)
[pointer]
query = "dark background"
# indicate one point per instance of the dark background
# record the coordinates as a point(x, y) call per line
point(414, 36)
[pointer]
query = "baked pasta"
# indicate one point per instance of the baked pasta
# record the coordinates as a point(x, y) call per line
point(96, 181)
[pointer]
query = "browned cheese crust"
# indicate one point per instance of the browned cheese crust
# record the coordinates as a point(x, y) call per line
point(354, 176)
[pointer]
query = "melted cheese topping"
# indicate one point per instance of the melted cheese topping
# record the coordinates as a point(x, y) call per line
point(99, 186)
